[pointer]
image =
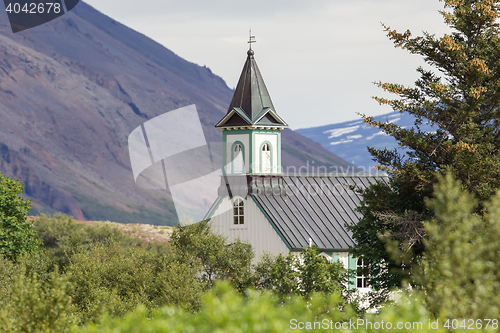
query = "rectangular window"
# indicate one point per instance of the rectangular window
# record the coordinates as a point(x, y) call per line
point(361, 279)
point(238, 212)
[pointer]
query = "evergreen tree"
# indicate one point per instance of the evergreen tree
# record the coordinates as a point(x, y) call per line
point(460, 96)
point(460, 271)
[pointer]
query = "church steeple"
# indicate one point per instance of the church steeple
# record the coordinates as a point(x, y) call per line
point(251, 103)
point(251, 127)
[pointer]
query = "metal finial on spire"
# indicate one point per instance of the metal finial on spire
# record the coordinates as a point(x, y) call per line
point(250, 41)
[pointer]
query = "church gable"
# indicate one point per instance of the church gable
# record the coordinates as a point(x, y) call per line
point(236, 120)
point(268, 119)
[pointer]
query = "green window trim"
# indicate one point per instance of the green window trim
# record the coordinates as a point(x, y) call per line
point(351, 265)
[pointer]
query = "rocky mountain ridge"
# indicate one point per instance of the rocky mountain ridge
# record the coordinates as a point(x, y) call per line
point(72, 90)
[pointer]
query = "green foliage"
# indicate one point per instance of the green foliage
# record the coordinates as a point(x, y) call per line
point(374, 234)
point(103, 273)
point(460, 272)
point(105, 276)
point(30, 304)
point(300, 275)
point(62, 237)
point(196, 243)
point(225, 310)
point(459, 95)
point(278, 274)
point(17, 236)
point(111, 279)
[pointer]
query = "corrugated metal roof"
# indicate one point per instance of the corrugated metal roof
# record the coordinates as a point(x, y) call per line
point(314, 207)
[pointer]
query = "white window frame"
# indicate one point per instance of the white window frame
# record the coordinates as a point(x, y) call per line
point(238, 159)
point(238, 212)
point(360, 266)
point(265, 155)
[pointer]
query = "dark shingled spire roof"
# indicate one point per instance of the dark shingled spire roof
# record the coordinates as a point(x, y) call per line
point(251, 94)
point(251, 103)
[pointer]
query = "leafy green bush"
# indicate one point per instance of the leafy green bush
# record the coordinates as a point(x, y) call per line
point(113, 279)
point(300, 275)
point(196, 243)
point(17, 236)
point(226, 311)
point(62, 237)
point(30, 304)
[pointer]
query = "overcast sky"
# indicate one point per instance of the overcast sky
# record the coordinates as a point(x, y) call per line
point(318, 58)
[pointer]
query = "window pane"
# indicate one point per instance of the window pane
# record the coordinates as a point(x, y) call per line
point(241, 210)
point(241, 220)
point(235, 220)
point(360, 283)
point(235, 211)
point(364, 283)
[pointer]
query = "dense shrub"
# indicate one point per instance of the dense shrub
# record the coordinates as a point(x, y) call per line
point(300, 275)
point(61, 236)
point(196, 243)
point(112, 279)
point(17, 236)
point(225, 311)
point(31, 304)
point(85, 273)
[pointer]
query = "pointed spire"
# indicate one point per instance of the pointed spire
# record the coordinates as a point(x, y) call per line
point(251, 100)
point(251, 94)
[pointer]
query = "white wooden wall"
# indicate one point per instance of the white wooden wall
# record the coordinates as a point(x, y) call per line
point(256, 231)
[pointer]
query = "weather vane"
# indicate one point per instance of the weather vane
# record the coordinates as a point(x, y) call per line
point(251, 39)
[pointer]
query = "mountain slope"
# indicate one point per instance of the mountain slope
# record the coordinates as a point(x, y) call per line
point(72, 90)
point(350, 139)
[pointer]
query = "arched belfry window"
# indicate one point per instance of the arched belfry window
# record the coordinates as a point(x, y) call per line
point(266, 158)
point(237, 158)
point(238, 212)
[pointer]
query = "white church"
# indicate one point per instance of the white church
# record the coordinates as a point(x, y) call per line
point(273, 211)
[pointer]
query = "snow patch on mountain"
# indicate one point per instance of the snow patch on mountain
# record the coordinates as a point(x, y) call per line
point(374, 135)
point(334, 133)
point(350, 139)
